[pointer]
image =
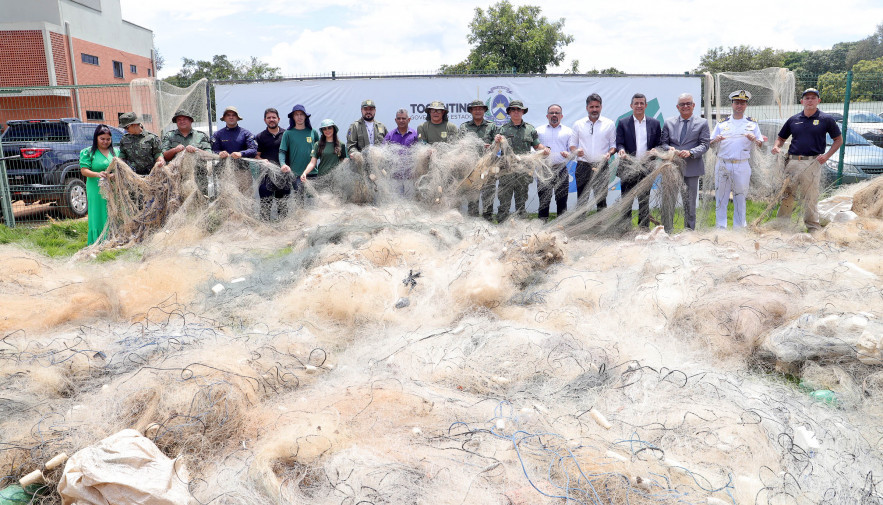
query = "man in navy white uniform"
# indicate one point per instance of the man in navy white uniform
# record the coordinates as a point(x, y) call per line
point(803, 165)
point(734, 136)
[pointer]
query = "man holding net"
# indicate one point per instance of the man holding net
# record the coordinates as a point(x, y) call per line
point(594, 140)
point(485, 131)
point(688, 136)
point(635, 136)
point(140, 149)
point(234, 141)
point(557, 137)
point(520, 136)
point(734, 137)
point(185, 138)
point(806, 155)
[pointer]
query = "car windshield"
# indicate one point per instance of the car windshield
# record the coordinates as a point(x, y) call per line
point(865, 117)
point(852, 139)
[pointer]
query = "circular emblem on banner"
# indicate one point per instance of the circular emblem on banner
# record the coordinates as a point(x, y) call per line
point(500, 96)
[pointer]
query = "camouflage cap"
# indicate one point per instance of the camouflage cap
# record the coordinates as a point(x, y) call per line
point(437, 105)
point(368, 103)
point(180, 113)
point(516, 104)
point(476, 103)
point(128, 118)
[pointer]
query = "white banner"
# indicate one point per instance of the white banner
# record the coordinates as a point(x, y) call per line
point(341, 99)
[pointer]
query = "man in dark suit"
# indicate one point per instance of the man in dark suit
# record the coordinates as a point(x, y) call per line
point(635, 136)
point(688, 135)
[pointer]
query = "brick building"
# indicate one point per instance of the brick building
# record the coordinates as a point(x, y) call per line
point(64, 43)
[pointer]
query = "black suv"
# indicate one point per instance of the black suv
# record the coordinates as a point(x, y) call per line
point(48, 170)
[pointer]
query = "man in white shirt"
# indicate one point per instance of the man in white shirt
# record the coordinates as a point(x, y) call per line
point(556, 137)
point(594, 140)
point(734, 136)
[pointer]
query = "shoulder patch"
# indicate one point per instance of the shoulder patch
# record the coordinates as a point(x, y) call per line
point(721, 120)
point(751, 119)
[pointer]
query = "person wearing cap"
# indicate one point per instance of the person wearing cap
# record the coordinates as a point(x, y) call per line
point(184, 137)
point(268, 142)
point(594, 140)
point(327, 152)
point(734, 137)
point(140, 149)
point(437, 128)
point(405, 137)
point(556, 137)
point(297, 144)
point(236, 142)
point(806, 155)
point(485, 130)
point(365, 131)
point(233, 140)
point(521, 137)
point(688, 136)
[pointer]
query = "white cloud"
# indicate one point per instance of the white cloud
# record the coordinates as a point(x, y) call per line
point(354, 36)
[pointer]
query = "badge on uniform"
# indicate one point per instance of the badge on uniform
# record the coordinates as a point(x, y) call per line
point(444, 135)
point(309, 140)
point(815, 122)
point(750, 126)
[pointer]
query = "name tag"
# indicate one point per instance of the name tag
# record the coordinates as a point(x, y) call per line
point(750, 126)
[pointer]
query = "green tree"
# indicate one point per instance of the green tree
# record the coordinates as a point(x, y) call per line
point(606, 71)
point(739, 59)
point(869, 48)
point(867, 80)
point(504, 38)
point(220, 68)
point(832, 86)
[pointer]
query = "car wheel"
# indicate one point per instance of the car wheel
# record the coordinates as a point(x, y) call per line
point(74, 203)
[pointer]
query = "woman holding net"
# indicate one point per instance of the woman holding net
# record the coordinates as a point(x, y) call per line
point(327, 153)
point(93, 165)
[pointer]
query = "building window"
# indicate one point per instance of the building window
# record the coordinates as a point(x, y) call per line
point(133, 69)
point(149, 72)
point(118, 69)
point(94, 115)
point(88, 58)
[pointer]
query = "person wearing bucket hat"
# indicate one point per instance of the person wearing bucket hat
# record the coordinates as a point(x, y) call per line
point(521, 137)
point(733, 138)
point(184, 137)
point(233, 140)
point(327, 153)
point(297, 144)
point(140, 149)
point(437, 128)
point(365, 131)
point(485, 130)
point(808, 130)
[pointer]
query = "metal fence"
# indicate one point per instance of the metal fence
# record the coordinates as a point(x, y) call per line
point(44, 129)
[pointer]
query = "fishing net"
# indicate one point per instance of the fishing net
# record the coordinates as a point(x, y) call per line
point(370, 347)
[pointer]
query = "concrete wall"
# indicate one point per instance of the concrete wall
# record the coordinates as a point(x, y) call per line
point(106, 28)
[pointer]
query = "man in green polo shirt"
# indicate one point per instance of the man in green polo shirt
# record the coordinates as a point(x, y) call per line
point(437, 128)
point(521, 137)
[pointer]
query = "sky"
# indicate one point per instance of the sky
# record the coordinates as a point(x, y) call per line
point(392, 36)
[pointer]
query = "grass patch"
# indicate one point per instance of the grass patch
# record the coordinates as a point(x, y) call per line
point(56, 240)
point(115, 254)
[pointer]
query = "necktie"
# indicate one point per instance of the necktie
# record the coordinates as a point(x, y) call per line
point(683, 131)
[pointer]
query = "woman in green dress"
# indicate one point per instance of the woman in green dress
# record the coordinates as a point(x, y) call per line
point(328, 152)
point(93, 163)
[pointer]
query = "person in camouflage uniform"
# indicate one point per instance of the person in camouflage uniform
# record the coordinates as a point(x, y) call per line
point(437, 128)
point(485, 130)
point(521, 137)
point(140, 149)
point(185, 138)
